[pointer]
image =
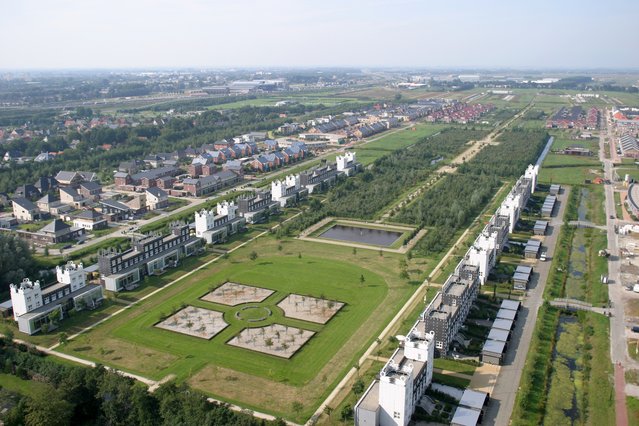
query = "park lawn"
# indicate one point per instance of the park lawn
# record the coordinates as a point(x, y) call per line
point(18, 385)
point(446, 379)
point(568, 170)
point(632, 405)
point(456, 366)
point(331, 271)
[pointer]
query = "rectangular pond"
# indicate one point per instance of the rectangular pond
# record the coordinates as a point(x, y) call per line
point(356, 234)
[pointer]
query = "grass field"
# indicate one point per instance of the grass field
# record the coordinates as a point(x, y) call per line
point(370, 152)
point(130, 342)
point(633, 410)
point(17, 385)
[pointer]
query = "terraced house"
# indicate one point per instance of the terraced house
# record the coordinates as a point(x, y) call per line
point(152, 254)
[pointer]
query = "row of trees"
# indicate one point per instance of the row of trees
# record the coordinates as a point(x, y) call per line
point(452, 204)
point(365, 195)
point(80, 395)
point(16, 262)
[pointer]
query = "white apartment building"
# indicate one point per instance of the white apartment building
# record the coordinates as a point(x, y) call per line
point(216, 226)
point(32, 304)
point(288, 191)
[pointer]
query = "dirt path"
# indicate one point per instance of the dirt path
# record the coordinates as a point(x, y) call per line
point(620, 396)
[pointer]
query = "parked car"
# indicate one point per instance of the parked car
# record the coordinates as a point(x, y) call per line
point(635, 328)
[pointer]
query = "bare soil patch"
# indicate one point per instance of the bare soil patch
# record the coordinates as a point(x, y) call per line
point(197, 322)
point(309, 308)
point(275, 339)
point(233, 294)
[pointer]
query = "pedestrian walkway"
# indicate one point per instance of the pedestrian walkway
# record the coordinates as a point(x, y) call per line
point(620, 396)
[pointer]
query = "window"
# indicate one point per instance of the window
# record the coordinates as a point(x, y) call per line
point(439, 344)
point(396, 414)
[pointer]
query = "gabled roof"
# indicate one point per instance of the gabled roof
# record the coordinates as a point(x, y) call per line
point(24, 203)
point(157, 192)
point(90, 186)
point(56, 226)
point(47, 199)
point(90, 215)
point(70, 191)
point(115, 204)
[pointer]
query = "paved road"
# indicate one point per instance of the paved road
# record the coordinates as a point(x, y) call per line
point(618, 350)
point(507, 384)
point(586, 224)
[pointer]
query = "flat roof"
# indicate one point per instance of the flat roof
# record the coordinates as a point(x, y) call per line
point(50, 306)
point(536, 243)
point(465, 417)
point(503, 324)
point(524, 269)
point(520, 276)
point(498, 335)
point(473, 399)
point(513, 305)
point(370, 400)
point(494, 346)
point(506, 314)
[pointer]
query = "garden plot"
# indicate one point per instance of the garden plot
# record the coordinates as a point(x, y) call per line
point(275, 339)
point(195, 322)
point(309, 308)
point(233, 294)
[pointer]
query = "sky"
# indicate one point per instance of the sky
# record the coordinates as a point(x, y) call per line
point(71, 34)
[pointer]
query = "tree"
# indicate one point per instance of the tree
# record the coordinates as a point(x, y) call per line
point(253, 255)
point(46, 250)
point(354, 251)
point(358, 387)
point(63, 338)
point(279, 247)
point(54, 317)
point(8, 334)
point(47, 407)
point(362, 280)
point(404, 274)
point(346, 413)
point(297, 407)
point(268, 342)
point(328, 410)
point(299, 255)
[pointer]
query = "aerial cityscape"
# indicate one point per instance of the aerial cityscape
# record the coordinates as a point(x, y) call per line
point(422, 214)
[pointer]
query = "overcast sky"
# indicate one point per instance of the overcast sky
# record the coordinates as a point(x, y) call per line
point(262, 33)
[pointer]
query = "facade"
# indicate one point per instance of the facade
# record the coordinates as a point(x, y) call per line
point(91, 220)
point(288, 191)
point(156, 198)
point(391, 400)
point(347, 163)
point(319, 178)
point(25, 210)
point(215, 226)
point(33, 304)
point(152, 254)
point(208, 184)
point(257, 207)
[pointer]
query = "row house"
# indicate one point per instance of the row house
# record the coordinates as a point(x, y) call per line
point(145, 179)
point(33, 303)
point(65, 178)
point(288, 191)
point(257, 207)
point(319, 178)
point(208, 184)
point(216, 226)
point(149, 255)
point(368, 130)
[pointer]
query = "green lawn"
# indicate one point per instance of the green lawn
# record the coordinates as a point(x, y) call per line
point(633, 410)
point(456, 366)
point(16, 384)
point(131, 342)
point(445, 379)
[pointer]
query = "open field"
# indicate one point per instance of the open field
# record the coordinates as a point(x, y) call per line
point(133, 343)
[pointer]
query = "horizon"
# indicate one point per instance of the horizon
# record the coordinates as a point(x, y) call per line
point(379, 34)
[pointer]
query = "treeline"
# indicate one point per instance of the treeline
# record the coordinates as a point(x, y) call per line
point(70, 395)
point(16, 262)
point(455, 201)
point(130, 143)
point(450, 205)
point(366, 194)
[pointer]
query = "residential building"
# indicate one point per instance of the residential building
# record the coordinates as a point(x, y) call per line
point(208, 184)
point(319, 178)
point(216, 226)
point(115, 211)
point(391, 400)
point(149, 255)
point(90, 190)
point(57, 231)
point(347, 163)
point(71, 197)
point(288, 191)
point(156, 198)
point(25, 210)
point(33, 303)
point(65, 178)
point(90, 220)
point(257, 207)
